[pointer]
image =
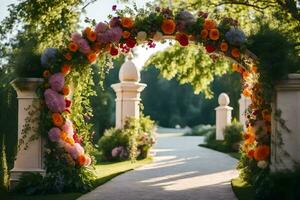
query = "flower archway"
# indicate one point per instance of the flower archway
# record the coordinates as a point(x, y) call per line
point(123, 32)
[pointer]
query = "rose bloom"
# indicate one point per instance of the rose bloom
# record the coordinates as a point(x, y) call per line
point(224, 46)
point(92, 57)
point(168, 26)
point(73, 47)
point(182, 39)
point(66, 90)
point(127, 22)
point(81, 159)
point(92, 36)
point(126, 34)
point(65, 69)
point(214, 34)
point(235, 53)
point(204, 34)
point(68, 56)
point(209, 24)
point(262, 152)
point(46, 73)
point(57, 119)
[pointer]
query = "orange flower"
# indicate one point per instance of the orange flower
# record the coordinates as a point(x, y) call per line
point(250, 154)
point(66, 90)
point(209, 24)
point(262, 152)
point(81, 159)
point(92, 57)
point(46, 73)
point(246, 92)
point(224, 46)
point(214, 34)
point(68, 56)
point(63, 135)
point(249, 138)
point(73, 46)
point(246, 74)
point(127, 22)
point(254, 68)
point(235, 53)
point(92, 36)
point(65, 69)
point(126, 34)
point(204, 34)
point(235, 67)
point(57, 119)
point(87, 30)
point(168, 26)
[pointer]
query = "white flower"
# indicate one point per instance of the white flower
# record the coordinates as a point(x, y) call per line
point(141, 36)
point(158, 36)
point(262, 164)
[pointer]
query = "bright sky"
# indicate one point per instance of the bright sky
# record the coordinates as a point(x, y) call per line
point(99, 11)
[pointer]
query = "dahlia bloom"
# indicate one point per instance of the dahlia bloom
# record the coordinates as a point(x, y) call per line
point(75, 150)
point(54, 101)
point(57, 82)
point(54, 134)
point(68, 128)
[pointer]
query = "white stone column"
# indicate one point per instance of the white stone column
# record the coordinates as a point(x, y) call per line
point(223, 115)
point(244, 103)
point(128, 93)
point(285, 145)
point(30, 159)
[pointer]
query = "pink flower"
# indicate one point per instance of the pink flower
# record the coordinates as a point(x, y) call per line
point(76, 37)
point(54, 101)
point(115, 34)
point(116, 151)
point(103, 38)
point(54, 134)
point(68, 128)
point(88, 160)
point(57, 82)
point(101, 27)
point(75, 150)
point(84, 46)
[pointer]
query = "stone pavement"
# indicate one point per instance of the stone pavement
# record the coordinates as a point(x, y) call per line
point(181, 171)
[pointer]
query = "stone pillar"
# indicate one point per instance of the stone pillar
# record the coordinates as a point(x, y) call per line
point(244, 103)
point(30, 159)
point(223, 115)
point(128, 93)
point(285, 145)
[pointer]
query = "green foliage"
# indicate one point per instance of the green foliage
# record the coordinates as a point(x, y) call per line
point(233, 135)
point(201, 130)
point(4, 179)
point(278, 185)
point(190, 65)
point(30, 183)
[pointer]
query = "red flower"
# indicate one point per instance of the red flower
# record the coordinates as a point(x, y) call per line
point(183, 39)
point(210, 48)
point(113, 51)
point(68, 103)
point(130, 43)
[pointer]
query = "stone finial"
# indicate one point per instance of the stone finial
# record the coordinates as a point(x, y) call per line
point(129, 71)
point(223, 99)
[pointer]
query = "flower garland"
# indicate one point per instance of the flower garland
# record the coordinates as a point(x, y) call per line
point(122, 33)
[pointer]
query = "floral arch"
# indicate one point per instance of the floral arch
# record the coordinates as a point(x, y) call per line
point(122, 33)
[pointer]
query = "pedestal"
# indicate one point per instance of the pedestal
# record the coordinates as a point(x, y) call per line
point(127, 100)
point(223, 118)
point(285, 145)
point(31, 159)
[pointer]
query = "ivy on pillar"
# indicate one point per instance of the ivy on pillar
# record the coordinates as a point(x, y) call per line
point(223, 115)
point(128, 92)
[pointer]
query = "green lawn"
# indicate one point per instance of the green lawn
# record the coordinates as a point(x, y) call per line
point(242, 190)
point(105, 171)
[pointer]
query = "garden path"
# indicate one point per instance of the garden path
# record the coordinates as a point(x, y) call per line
point(181, 171)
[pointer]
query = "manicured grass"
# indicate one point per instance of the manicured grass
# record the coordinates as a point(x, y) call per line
point(242, 190)
point(218, 146)
point(105, 171)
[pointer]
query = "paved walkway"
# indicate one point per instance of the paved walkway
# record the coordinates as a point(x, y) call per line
point(181, 171)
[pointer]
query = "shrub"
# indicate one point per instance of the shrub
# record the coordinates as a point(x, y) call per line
point(201, 130)
point(30, 183)
point(233, 135)
point(132, 142)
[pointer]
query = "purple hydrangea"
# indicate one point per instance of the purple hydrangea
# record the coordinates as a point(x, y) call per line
point(235, 36)
point(48, 57)
point(57, 82)
point(114, 22)
point(111, 35)
point(54, 101)
point(101, 27)
point(54, 134)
